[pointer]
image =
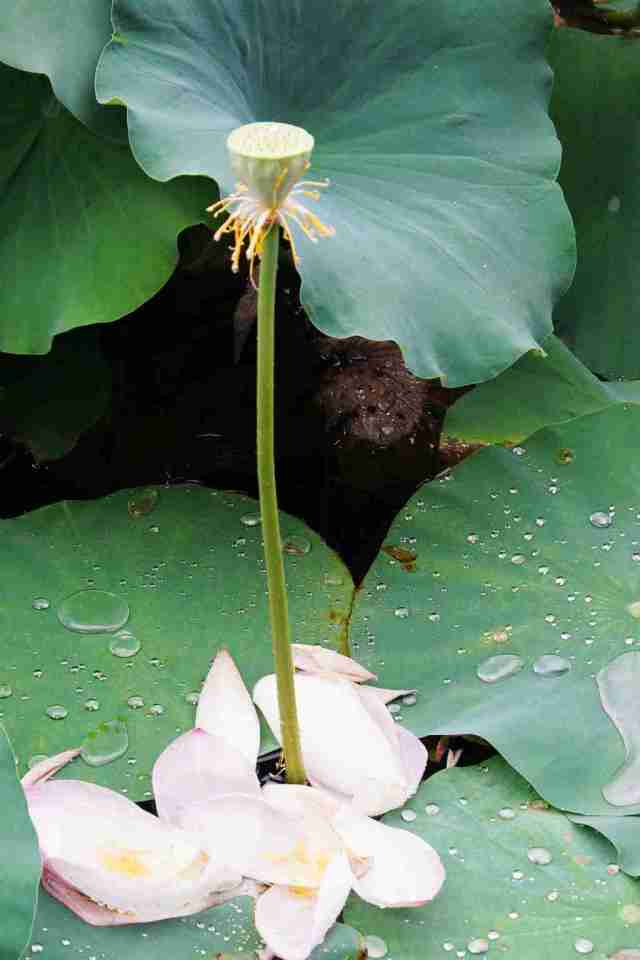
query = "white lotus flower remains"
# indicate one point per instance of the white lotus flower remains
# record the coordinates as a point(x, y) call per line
point(299, 850)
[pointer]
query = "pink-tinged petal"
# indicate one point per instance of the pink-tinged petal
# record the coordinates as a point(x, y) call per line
point(415, 756)
point(404, 870)
point(196, 767)
point(225, 709)
point(292, 922)
point(387, 696)
point(313, 658)
point(298, 801)
point(261, 842)
point(40, 772)
point(349, 741)
point(104, 848)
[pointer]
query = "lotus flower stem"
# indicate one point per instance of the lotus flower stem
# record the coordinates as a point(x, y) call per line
point(278, 604)
point(269, 159)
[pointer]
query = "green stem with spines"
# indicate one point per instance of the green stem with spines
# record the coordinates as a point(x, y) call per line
point(276, 585)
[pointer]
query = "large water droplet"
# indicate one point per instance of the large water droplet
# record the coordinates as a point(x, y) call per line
point(477, 946)
point(408, 815)
point(506, 813)
point(551, 665)
point(499, 667)
point(105, 744)
point(582, 945)
point(634, 609)
point(601, 519)
point(135, 702)
point(91, 704)
point(432, 809)
point(56, 711)
point(251, 519)
point(539, 855)
point(124, 644)
point(93, 611)
point(518, 558)
point(375, 947)
point(401, 612)
point(192, 697)
point(40, 603)
point(618, 685)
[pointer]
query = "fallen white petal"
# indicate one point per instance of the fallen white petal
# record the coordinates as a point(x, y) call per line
point(415, 756)
point(42, 771)
point(103, 846)
point(196, 767)
point(349, 744)
point(312, 658)
point(404, 871)
point(225, 709)
point(293, 922)
point(264, 843)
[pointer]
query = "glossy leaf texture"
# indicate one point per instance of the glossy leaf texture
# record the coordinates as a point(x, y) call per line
point(540, 389)
point(596, 84)
point(225, 932)
point(452, 237)
point(20, 873)
point(522, 880)
point(533, 555)
point(63, 39)
point(163, 578)
point(227, 929)
point(85, 236)
point(39, 395)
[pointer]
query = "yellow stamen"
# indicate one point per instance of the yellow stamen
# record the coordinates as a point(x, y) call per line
point(126, 862)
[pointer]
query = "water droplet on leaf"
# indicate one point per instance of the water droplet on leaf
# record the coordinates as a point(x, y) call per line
point(296, 546)
point(499, 667)
point(551, 665)
point(582, 945)
point(40, 603)
point(93, 611)
point(477, 946)
point(105, 744)
point(124, 644)
point(539, 855)
point(56, 711)
point(251, 519)
point(375, 947)
point(601, 519)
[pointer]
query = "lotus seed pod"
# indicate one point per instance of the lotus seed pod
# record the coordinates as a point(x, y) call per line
point(270, 158)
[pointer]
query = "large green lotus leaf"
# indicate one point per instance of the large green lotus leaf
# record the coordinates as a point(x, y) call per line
point(225, 932)
point(20, 873)
point(495, 900)
point(39, 395)
point(452, 237)
point(190, 571)
point(63, 40)
point(227, 929)
point(85, 236)
point(539, 390)
point(527, 552)
point(596, 87)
